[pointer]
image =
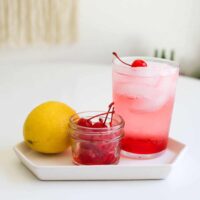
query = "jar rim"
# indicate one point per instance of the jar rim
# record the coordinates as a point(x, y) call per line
point(92, 130)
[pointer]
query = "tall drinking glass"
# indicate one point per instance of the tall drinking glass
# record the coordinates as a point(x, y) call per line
point(144, 97)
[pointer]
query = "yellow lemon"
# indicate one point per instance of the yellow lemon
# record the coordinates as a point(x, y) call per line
point(45, 129)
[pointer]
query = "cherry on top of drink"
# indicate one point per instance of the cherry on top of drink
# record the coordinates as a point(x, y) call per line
point(101, 123)
point(135, 63)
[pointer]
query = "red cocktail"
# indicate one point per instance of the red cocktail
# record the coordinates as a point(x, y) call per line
point(144, 97)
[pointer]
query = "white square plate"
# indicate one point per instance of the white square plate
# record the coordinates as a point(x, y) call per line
point(60, 166)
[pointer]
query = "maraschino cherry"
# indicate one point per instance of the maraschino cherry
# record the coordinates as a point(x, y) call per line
point(94, 149)
point(135, 63)
point(101, 123)
point(84, 122)
point(139, 63)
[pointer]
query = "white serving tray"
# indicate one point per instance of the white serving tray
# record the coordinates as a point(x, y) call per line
point(60, 166)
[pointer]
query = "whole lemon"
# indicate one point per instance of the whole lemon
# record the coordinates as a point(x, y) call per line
point(45, 129)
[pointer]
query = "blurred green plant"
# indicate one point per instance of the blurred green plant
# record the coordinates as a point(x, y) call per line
point(162, 54)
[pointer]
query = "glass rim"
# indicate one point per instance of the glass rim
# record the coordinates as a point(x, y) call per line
point(147, 58)
point(159, 70)
point(92, 130)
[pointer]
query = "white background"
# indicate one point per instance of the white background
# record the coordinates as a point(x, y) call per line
point(131, 27)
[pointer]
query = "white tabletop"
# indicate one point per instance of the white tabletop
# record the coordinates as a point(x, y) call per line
point(87, 87)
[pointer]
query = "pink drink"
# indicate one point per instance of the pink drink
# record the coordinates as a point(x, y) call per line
point(144, 97)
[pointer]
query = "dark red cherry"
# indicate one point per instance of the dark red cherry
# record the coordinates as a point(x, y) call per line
point(136, 63)
point(139, 63)
point(84, 122)
point(99, 125)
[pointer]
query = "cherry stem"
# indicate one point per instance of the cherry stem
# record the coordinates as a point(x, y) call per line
point(113, 111)
point(115, 54)
point(106, 113)
point(99, 115)
point(100, 120)
point(109, 108)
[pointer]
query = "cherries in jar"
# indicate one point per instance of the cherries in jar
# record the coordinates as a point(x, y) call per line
point(96, 137)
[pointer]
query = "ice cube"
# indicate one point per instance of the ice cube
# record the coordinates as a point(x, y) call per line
point(136, 90)
point(152, 98)
point(147, 105)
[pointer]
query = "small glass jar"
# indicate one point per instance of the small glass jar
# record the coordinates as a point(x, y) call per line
point(96, 146)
